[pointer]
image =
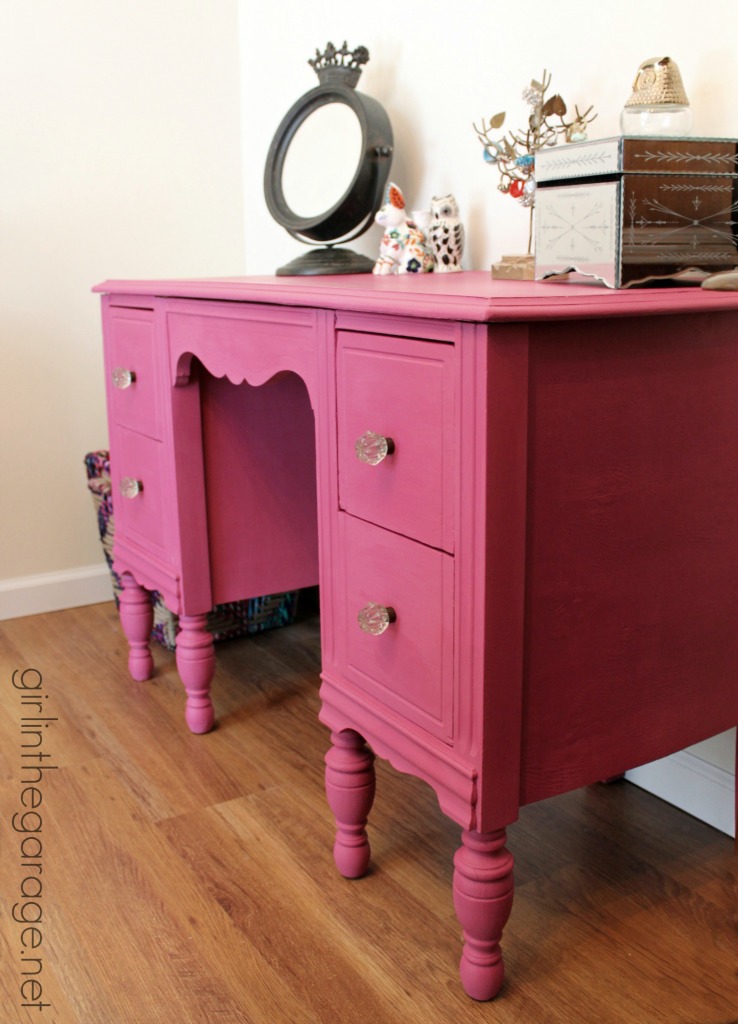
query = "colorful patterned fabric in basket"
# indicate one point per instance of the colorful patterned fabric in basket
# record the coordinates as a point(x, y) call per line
point(225, 621)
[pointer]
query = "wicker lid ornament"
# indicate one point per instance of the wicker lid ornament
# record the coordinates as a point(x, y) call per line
point(658, 81)
point(658, 104)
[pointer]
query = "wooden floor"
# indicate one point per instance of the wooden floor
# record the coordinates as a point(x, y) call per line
point(190, 879)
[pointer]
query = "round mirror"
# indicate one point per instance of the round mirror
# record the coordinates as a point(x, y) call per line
point(329, 138)
point(328, 165)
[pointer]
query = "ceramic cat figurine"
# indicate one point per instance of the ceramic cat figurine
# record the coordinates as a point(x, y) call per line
point(404, 249)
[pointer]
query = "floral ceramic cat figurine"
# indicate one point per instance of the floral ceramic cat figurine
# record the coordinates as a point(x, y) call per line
point(404, 249)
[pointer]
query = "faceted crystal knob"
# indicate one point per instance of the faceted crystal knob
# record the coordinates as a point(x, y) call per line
point(123, 378)
point(372, 448)
point(130, 488)
point(375, 618)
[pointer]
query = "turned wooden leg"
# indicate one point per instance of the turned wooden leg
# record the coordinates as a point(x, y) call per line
point(196, 665)
point(137, 619)
point(349, 784)
point(483, 894)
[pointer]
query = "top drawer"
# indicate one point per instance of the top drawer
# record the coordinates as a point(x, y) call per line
point(401, 389)
point(131, 368)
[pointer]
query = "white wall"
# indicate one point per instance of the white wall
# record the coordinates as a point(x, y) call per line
point(437, 67)
point(119, 157)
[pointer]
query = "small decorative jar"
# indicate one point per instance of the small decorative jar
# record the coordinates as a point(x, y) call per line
point(658, 104)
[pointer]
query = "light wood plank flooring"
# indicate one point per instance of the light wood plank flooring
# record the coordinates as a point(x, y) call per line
point(189, 879)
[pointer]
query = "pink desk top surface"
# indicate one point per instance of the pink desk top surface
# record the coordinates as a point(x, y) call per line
point(471, 295)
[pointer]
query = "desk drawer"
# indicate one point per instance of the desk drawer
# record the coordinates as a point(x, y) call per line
point(139, 511)
point(132, 371)
point(409, 666)
point(401, 389)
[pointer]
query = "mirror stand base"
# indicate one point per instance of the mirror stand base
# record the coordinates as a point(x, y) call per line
point(327, 261)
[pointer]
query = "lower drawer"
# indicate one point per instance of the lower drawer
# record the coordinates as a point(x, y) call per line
point(408, 667)
point(141, 516)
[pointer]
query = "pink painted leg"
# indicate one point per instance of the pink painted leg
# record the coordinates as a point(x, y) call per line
point(137, 619)
point(196, 665)
point(350, 784)
point(483, 894)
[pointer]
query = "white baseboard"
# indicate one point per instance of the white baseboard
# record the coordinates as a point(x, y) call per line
point(54, 591)
point(695, 786)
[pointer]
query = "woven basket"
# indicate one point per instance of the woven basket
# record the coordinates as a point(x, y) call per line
point(225, 621)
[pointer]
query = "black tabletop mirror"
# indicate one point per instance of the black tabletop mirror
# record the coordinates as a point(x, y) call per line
point(328, 165)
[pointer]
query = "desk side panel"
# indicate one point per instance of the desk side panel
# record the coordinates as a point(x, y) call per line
point(631, 647)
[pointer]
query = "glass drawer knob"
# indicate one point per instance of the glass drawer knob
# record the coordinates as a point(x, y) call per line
point(372, 448)
point(375, 618)
point(123, 378)
point(130, 488)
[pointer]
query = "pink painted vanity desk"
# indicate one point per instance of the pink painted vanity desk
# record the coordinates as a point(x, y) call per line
point(551, 538)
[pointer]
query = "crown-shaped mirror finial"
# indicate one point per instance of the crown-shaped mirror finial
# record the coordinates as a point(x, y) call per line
point(339, 67)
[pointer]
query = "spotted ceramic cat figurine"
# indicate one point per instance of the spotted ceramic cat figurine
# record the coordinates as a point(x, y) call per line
point(403, 249)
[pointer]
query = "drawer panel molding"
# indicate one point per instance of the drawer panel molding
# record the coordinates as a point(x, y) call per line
point(398, 607)
point(396, 435)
